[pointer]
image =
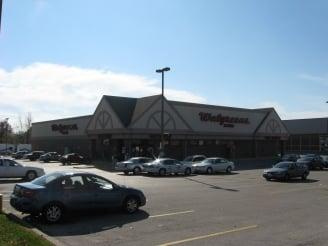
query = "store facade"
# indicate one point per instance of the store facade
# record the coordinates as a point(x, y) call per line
point(122, 127)
point(307, 135)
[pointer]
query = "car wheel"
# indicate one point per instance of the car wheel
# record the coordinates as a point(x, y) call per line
point(228, 170)
point(304, 176)
point(287, 177)
point(187, 171)
point(209, 170)
point(136, 170)
point(30, 175)
point(162, 172)
point(267, 179)
point(53, 213)
point(126, 172)
point(131, 205)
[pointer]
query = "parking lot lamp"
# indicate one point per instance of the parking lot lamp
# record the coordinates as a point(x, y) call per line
point(6, 133)
point(161, 147)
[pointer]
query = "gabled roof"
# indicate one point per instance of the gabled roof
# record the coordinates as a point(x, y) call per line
point(123, 107)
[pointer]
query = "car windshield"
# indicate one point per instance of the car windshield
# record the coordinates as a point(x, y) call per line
point(209, 160)
point(188, 158)
point(282, 165)
point(133, 160)
point(46, 179)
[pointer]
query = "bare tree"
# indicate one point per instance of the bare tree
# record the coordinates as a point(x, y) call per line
point(28, 126)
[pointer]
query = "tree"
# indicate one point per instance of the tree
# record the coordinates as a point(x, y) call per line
point(5, 130)
point(28, 126)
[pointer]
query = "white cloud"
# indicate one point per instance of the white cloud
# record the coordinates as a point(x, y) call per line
point(313, 78)
point(286, 114)
point(51, 91)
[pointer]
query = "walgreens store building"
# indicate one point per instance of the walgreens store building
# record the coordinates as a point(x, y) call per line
point(122, 127)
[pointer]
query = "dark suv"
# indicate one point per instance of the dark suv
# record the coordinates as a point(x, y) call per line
point(50, 156)
point(286, 170)
point(290, 157)
point(34, 155)
point(74, 158)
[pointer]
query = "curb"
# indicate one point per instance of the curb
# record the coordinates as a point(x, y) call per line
point(34, 229)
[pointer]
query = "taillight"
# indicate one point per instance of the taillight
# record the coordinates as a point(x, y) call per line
point(28, 193)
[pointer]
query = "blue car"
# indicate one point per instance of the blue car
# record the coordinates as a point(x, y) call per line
point(55, 194)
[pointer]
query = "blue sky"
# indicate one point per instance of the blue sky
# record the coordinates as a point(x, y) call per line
point(235, 53)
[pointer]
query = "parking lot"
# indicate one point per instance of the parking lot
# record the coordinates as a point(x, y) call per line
point(237, 209)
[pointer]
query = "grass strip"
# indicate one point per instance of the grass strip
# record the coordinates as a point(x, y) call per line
point(12, 234)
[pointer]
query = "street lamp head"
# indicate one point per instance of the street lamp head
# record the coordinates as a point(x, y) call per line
point(166, 69)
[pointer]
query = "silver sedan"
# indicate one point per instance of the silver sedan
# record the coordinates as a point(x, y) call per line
point(213, 165)
point(163, 166)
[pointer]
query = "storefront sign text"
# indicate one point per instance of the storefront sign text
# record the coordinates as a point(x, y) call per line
point(64, 129)
point(225, 121)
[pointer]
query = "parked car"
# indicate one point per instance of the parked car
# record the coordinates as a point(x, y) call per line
point(163, 166)
point(50, 156)
point(325, 159)
point(286, 170)
point(193, 159)
point(290, 157)
point(74, 158)
point(213, 165)
point(314, 162)
point(11, 169)
point(133, 165)
point(19, 154)
point(55, 194)
point(34, 155)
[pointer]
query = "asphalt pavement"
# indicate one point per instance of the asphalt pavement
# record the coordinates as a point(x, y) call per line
point(237, 209)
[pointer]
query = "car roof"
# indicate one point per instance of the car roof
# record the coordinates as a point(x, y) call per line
point(72, 173)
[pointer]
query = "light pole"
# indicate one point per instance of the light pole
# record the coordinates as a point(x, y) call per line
point(7, 134)
point(165, 69)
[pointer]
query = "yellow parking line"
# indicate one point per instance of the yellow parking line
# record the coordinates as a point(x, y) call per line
point(169, 214)
point(209, 235)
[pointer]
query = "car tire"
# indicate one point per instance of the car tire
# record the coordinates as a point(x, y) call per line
point(229, 169)
point(304, 176)
point(187, 172)
point(209, 170)
point(286, 178)
point(131, 204)
point(30, 175)
point(53, 213)
point(136, 171)
point(126, 172)
point(162, 172)
point(267, 179)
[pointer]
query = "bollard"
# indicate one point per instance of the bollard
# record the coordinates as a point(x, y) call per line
point(1, 203)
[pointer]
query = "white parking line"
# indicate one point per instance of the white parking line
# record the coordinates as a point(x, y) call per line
point(210, 235)
point(170, 214)
point(295, 190)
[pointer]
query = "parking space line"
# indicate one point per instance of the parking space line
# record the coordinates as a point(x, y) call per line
point(169, 214)
point(295, 190)
point(210, 235)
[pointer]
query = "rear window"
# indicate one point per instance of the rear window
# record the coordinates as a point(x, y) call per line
point(46, 179)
